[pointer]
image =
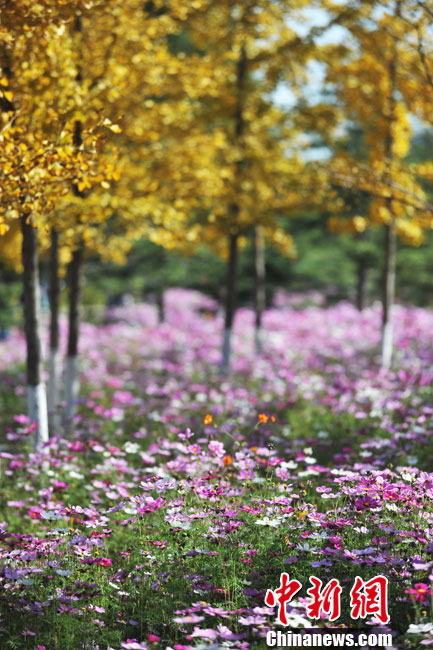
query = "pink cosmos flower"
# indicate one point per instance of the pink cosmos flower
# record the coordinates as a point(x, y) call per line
point(191, 618)
point(204, 634)
point(187, 434)
point(194, 449)
point(133, 644)
point(217, 448)
point(21, 419)
point(252, 620)
point(419, 593)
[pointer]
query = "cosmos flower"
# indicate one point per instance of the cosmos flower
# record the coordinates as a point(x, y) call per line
point(420, 592)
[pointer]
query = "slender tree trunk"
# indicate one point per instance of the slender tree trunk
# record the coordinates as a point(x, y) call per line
point(260, 290)
point(233, 210)
point(54, 365)
point(388, 294)
point(361, 285)
point(230, 301)
point(72, 384)
point(72, 378)
point(36, 393)
point(390, 234)
point(160, 305)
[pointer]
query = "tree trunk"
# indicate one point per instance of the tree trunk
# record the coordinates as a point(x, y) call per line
point(233, 210)
point(160, 305)
point(361, 285)
point(72, 385)
point(72, 379)
point(230, 301)
point(390, 233)
point(36, 393)
point(260, 291)
point(388, 294)
point(54, 366)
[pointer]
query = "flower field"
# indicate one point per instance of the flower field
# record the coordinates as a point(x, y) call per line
point(182, 495)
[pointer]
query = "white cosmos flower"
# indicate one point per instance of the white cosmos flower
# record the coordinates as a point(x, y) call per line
point(177, 523)
point(297, 620)
point(319, 536)
point(266, 521)
point(422, 628)
point(131, 447)
point(77, 475)
point(306, 547)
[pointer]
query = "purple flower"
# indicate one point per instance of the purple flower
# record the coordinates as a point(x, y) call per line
point(133, 644)
point(204, 634)
point(217, 448)
point(190, 618)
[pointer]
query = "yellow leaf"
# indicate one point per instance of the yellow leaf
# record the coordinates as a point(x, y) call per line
point(4, 81)
point(115, 128)
point(3, 228)
point(9, 96)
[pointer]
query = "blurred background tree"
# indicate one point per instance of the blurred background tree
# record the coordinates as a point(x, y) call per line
point(149, 135)
point(325, 262)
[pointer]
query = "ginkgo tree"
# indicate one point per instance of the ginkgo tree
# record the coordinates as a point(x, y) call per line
point(27, 158)
point(121, 63)
point(37, 156)
point(245, 50)
point(370, 81)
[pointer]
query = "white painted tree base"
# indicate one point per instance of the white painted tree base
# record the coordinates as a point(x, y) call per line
point(54, 373)
point(386, 344)
point(258, 341)
point(226, 349)
point(72, 386)
point(38, 412)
